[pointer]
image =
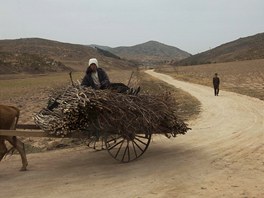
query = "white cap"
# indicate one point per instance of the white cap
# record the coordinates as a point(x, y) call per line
point(93, 60)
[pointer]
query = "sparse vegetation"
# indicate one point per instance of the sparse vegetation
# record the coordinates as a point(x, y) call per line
point(188, 107)
point(244, 77)
point(150, 53)
point(248, 48)
point(28, 63)
point(71, 55)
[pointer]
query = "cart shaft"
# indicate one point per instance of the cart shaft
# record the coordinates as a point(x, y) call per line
point(25, 133)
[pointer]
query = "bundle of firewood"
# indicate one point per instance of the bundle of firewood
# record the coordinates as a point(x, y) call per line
point(79, 108)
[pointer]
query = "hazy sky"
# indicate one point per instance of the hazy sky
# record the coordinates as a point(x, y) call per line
point(191, 25)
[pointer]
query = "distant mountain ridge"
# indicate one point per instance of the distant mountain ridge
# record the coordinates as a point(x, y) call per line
point(248, 48)
point(67, 55)
point(37, 55)
point(149, 53)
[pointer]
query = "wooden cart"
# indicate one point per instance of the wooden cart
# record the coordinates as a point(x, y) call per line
point(123, 147)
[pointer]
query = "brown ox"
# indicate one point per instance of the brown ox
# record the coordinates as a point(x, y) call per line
point(8, 119)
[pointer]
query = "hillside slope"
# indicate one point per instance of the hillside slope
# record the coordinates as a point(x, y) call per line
point(247, 48)
point(11, 63)
point(71, 55)
point(149, 53)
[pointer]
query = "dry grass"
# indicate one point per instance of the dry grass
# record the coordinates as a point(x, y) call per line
point(244, 77)
point(188, 107)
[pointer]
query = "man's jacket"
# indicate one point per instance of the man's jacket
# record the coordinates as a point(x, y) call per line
point(216, 81)
point(103, 79)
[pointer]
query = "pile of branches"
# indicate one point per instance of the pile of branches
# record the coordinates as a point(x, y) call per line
point(84, 109)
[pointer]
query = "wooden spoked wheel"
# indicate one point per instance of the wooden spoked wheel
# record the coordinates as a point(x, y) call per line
point(127, 147)
point(96, 143)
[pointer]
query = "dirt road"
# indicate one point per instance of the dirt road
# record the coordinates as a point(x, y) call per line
point(221, 157)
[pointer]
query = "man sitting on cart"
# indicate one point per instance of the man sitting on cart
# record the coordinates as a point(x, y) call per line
point(97, 78)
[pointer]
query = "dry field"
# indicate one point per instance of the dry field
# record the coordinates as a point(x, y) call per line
point(244, 77)
point(31, 92)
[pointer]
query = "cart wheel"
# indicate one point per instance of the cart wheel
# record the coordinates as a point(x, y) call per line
point(95, 143)
point(127, 147)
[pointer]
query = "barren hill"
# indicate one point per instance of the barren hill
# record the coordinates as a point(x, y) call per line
point(247, 48)
point(70, 55)
point(11, 63)
point(149, 53)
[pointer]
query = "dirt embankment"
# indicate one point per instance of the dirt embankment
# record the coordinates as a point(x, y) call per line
point(221, 157)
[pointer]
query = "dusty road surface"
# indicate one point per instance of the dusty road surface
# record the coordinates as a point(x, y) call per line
point(221, 157)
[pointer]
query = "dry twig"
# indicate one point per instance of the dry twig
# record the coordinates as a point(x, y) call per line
point(85, 109)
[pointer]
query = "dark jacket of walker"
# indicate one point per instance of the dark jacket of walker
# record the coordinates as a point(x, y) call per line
point(216, 81)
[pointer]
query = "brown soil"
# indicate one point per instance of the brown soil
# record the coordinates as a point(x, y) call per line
point(221, 157)
point(243, 77)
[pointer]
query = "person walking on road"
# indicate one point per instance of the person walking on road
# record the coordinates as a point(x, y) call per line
point(216, 83)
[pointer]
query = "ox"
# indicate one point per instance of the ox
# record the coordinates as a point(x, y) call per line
point(8, 120)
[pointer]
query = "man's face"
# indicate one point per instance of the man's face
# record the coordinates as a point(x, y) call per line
point(93, 67)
